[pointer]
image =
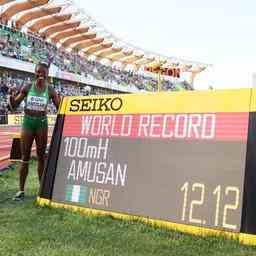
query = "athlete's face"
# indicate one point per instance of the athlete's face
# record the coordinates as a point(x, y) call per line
point(41, 73)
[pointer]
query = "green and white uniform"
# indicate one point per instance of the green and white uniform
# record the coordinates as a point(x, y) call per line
point(36, 101)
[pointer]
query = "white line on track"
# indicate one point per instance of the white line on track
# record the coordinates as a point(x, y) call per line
point(4, 158)
point(8, 133)
point(5, 146)
point(5, 141)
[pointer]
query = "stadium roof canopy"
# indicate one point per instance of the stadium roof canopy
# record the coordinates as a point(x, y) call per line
point(64, 24)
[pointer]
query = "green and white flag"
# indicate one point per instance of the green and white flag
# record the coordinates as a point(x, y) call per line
point(76, 193)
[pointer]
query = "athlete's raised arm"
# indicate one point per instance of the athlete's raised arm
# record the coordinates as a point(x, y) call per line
point(14, 98)
point(54, 97)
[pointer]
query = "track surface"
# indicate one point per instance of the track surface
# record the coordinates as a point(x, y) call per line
point(6, 135)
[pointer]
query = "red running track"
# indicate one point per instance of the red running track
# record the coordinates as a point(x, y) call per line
point(6, 135)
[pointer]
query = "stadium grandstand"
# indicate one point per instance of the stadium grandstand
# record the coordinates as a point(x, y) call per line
point(84, 56)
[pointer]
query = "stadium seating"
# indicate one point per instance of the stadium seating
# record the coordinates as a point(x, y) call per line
point(31, 48)
point(16, 79)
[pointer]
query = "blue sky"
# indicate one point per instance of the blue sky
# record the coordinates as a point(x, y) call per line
point(217, 32)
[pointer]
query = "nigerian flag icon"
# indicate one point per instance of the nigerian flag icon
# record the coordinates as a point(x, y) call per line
point(76, 193)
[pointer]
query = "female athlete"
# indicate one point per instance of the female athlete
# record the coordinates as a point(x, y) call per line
point(35, 124)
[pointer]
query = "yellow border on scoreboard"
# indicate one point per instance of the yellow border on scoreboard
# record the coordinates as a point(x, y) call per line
point(253, 101)
point(199, 231)
point(237, 100)
point(63, 105)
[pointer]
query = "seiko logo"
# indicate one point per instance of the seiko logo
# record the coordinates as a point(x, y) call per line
point(105, 104)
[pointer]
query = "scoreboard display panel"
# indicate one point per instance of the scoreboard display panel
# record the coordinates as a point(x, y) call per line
point(179, 158)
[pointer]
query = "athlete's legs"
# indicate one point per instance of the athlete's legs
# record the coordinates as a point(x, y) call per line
point(27, 138)
point(41, 144)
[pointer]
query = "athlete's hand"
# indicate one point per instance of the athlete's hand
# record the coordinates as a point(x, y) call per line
point(13, 91)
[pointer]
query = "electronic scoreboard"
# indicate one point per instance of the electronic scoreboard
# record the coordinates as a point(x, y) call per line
point(186, 159)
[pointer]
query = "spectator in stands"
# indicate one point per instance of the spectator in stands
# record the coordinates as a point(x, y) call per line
point(87, 90)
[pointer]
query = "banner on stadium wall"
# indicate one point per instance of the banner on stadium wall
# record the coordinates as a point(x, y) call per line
point(14, 119)
point(16, 64)
point(184, 160)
